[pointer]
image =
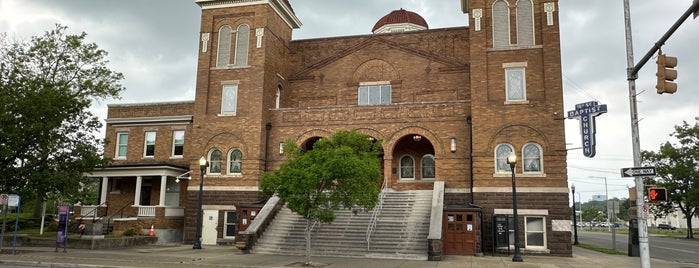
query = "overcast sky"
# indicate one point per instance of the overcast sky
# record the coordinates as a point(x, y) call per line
point(154, 43)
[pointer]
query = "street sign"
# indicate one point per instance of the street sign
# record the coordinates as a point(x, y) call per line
point(638, 172)
point(4, 198)
point(13, 200)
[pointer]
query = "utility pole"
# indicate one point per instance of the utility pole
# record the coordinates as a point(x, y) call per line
point(632, 75)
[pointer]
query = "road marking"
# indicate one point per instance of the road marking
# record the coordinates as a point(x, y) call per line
point(685, 251)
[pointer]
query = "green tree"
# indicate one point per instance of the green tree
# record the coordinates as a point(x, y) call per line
point(340, 171)
point(677, 168)
point(47, 86)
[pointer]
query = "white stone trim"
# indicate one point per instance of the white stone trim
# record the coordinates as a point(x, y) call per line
point(218, 207)
point(520, 212)
point(151, 121)
point(521, 189)
point(224, 188)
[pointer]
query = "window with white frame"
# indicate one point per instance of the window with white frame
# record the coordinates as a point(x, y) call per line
point(235, 162)
point(374, 94)
point(122, 144)
point(407, 168)
point(531, 158)
point(215, 161)
point(427, 167)
point(242, 40)
point(502, 151)
point(501, 24)
point(229, 100)
point(278, 98)
point(149, 144)
point(535, 232)
point(178, 143)
point(224, 46)
point(525, 22)
point(515, 84)
point(231, 220)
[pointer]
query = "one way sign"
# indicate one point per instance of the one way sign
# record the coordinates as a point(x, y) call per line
point(638, 172)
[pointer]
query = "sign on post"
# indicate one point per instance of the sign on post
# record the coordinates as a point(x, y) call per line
point(638, 172)
point(4, 199)
point(13, 200)
point(586, 113)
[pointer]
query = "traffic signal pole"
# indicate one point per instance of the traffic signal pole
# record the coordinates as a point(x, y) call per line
point(632, 75)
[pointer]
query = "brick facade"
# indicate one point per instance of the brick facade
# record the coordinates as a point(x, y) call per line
point(446, 84)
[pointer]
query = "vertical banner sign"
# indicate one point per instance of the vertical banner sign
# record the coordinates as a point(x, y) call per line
point(62, 226)
point(586, 113)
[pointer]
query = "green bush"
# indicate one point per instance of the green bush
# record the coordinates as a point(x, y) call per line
point(129, 232)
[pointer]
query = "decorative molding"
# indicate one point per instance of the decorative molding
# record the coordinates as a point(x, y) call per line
point(549, 8)
point(259, 33)
point(520, 189)
point(205, 41)
point(151, 121)
point(508, 211)
point(477, 15)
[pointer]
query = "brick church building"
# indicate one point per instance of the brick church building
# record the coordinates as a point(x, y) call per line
point(449, 105)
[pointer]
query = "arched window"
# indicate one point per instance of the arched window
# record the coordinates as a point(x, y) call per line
point(501, 24)
point(224, 46)
point(427, 167)
point(531, 158)
point(215, 161)
point(407, 168)
point(525, 23)
point(235, 162)
point(242, 39)
point(278, 98)
point(502, 151)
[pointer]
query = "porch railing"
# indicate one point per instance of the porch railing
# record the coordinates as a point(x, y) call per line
point(146, 211)
point(375, 215)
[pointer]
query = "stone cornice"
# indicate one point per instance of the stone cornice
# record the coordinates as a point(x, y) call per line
point(279, 7)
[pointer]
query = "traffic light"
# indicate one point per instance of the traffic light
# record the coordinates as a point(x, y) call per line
point(666, 74)
point(657, 194)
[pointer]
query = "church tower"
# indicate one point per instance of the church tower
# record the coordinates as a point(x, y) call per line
point(517, 107)
point(242, 67)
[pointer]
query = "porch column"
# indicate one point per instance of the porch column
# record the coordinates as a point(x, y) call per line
point(163, 190)
point(137, 193)
point(103, 193)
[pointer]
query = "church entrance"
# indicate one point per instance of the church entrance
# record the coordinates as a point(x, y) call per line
point(460, 232)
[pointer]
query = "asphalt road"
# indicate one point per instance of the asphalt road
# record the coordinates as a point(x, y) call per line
point(663, 248)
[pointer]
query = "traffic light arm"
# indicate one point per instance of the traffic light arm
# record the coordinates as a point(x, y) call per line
point(632, 73)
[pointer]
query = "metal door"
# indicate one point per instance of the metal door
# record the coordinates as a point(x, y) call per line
point(209, 234)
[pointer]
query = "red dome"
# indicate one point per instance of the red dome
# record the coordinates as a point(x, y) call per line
point(400, 16)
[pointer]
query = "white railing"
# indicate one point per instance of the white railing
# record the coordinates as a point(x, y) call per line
point(146, 211)
point(88, 210)
point(375, 215)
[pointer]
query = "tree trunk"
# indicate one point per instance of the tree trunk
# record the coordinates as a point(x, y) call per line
point(309, 224)
point(690, 233)
point(37, 206)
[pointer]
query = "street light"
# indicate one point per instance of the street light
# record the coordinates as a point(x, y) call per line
point(202, 166)
point(575, 217)
point(512, 160)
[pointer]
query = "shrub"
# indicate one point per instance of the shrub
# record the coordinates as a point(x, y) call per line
point(129, 232)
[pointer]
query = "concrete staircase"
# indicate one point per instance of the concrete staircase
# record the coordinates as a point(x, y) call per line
point(401, 231)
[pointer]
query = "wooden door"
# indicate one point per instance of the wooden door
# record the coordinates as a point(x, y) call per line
point(459, 229)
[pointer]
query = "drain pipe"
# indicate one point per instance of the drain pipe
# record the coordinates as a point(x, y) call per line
point(469, 121)
point(268, 127)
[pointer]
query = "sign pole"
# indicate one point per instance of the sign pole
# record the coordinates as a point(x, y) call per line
point(4, 220)
point(19, 210)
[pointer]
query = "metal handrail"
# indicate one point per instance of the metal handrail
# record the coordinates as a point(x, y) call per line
point(375, 215)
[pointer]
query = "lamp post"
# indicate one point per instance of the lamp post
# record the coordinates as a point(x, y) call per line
point(197, 237)
point(512, 160)
point(575, 217)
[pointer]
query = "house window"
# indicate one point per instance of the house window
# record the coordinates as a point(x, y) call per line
point(407, 168)
point(115, 186)
point(427, 167)
point(515, 84)
point(149, 146)
point(531, 158)
point(501, 24)
point(229, 100)
point(525, 23)
point(278, 98)
point(177, 143)
point(242, 39)
point(535, 232)
point(235, 162)
point(502, 151)
point(122, 144)
point(231, 223)
point(374, 94)
point(215, 161)
point(224, 46)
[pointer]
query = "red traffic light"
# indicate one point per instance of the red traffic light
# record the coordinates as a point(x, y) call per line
point(657, 194)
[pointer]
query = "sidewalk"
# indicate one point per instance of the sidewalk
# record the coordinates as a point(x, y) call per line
point(220, 256)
